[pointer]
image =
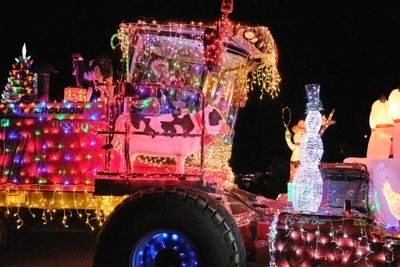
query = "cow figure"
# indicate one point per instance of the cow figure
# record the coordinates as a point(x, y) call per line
point(167, 135)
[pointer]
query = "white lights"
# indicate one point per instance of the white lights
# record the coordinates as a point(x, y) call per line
point(308, 181)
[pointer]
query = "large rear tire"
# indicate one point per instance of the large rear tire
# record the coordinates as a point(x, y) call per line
point(170, 226)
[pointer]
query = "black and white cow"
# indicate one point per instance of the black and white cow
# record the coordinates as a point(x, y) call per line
point(161, 139)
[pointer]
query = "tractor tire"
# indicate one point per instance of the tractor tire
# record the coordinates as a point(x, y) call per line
point(170, 226)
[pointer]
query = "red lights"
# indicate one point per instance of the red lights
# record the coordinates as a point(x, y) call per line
point(51, 144)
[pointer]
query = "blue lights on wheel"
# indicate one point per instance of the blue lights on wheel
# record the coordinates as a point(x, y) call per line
point(164, 248)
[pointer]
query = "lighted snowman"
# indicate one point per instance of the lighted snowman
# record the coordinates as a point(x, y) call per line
point(308, 185)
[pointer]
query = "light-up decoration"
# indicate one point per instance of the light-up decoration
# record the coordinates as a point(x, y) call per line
point(300, 240)
point(55, 144)
point(182, 45)
point(44, 142)
point(394, 109)
point(381, 124)
point(266, 78)
point(273, 231)
point(183, 52)
point(308, 186)
point(24, 51)
point(22, 82)
point(73, 94)
point(384, 189)
point(213, 49)
point(45, 203)
point(154, 244)
point(125, 38)
point(293, 140)
point(216, 162)
point(392, 198)
point(170, 140)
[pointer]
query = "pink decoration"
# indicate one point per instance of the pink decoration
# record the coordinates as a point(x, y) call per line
point(54, 144)
point(385, 188)
point(381, 124)
point(394, 107)
point(168, 144)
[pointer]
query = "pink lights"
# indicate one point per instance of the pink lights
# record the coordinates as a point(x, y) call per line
point(44, 142)
point(305, 240)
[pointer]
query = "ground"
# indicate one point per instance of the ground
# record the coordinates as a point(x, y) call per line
point(50, 248)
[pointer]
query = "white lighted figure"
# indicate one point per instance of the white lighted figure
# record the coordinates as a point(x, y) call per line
point(394, 109)
point(308, 186)
point(24, 51)
point(293, 141)
point(381, 124)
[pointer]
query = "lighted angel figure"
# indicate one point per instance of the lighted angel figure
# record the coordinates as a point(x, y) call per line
point(394, 108)
point(381, 123)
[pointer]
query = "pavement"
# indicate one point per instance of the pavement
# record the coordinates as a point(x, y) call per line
point(47, 248)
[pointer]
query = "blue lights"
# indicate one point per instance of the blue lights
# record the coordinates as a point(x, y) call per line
point(13, 135)
point(175, 237)
point(17, 159)
point(164, 248)
point(67, 130)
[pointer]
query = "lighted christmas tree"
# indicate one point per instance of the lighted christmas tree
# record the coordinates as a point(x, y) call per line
point(22, 83)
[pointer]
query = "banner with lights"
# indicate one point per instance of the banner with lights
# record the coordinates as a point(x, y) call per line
point(51, 144)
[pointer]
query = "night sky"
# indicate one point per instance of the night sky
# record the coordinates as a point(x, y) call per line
point(351, 49)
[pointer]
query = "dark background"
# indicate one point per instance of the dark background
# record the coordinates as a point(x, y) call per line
point(351, 48)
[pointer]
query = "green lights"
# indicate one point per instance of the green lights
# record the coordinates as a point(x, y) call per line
point(61, 117)
point(5, 123)
point(42, 181)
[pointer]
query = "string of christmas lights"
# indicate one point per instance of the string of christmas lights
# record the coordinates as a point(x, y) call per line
point(297, 239)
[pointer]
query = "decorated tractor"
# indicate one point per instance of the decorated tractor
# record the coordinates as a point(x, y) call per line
point(147, 164)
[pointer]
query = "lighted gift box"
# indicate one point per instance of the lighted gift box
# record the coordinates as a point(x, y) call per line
point(74, 94)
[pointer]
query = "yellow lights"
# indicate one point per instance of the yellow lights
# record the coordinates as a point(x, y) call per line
point(73, 94)
point(155, 161)
point(187, 40)
point(216, 165)
point(267, 79)
point(14, 197)
point(93, 210)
